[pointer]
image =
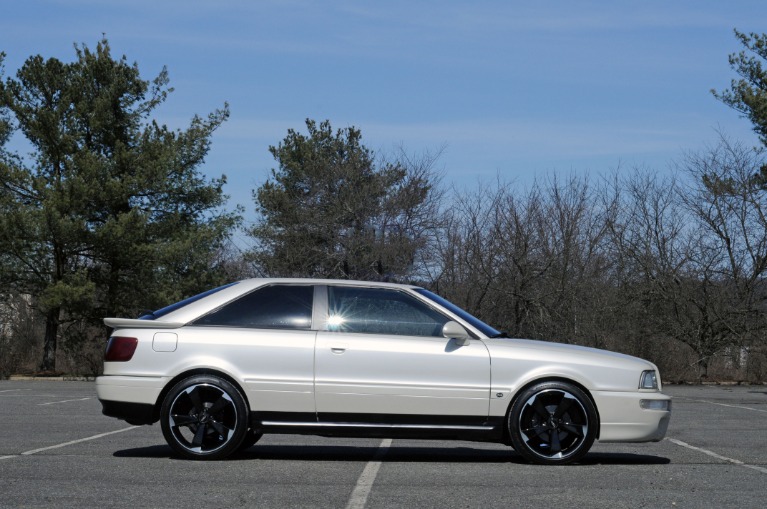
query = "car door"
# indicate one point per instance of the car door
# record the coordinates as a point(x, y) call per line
point(381, 357)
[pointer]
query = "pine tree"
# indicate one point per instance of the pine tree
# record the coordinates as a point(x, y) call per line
point(748, 93)
point(330, 210)
point(110, 214)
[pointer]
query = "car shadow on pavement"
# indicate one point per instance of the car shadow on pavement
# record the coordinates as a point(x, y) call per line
point(610, 458)
point(395, 454)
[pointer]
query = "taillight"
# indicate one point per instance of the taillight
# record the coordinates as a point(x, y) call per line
point(120, 349)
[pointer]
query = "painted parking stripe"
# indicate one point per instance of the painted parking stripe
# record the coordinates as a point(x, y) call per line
point(57, 446)
point(729, 406)
point(367, 477)
point(65, 401)
point(717, 456)
point(15, 390)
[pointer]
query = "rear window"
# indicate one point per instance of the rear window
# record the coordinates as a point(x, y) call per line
point(178, 305)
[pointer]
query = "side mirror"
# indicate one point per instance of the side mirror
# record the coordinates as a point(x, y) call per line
point(454, 330)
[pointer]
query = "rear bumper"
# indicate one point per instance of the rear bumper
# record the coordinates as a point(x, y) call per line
point(130, 398)
point(622, 418)
point(132, 413)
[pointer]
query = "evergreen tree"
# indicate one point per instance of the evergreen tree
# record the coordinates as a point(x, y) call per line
point(330, 211)
point(109, 215)
point(748, 94)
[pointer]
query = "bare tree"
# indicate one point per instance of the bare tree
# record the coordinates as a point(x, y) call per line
point(650, 232)
point(728, 200)
point(466, 249)
point(573, 242)
point(528, 261)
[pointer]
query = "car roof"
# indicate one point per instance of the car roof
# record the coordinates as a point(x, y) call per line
point(348, 282)
point(229, 293)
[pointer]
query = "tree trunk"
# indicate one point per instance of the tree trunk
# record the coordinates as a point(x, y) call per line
point(703, 369)
point(49, 344)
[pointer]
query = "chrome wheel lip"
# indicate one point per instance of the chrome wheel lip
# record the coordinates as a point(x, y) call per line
point(571, 449)
point(204, 420)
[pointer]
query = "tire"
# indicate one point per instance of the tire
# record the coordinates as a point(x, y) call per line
point(251, 437)
point(552, 423)
point(204, 417)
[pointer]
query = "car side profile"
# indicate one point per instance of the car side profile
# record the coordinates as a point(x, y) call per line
point(362, 359)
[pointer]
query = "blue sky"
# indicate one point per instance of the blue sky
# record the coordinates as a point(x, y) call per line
point(510, 88)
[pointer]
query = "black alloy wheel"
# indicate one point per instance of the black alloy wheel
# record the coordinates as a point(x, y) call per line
point(204, 417)
point(552, 423)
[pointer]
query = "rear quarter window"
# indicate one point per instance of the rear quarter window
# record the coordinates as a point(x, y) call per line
point(271, 307)
point(178, 305)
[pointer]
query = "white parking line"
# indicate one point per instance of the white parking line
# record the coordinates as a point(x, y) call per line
point(65, 401)
point(14, 390)
point(367, 477)
point(57, 446)
point(728, 406)
point(717, 456)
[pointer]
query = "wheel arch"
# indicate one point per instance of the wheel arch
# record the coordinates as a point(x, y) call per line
point(194, 372)
point(544, 379)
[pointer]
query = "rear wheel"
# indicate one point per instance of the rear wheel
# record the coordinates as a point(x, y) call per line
point(204, 417)
point(552, 423)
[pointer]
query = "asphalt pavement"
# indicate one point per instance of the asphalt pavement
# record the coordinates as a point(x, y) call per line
point(57, 450)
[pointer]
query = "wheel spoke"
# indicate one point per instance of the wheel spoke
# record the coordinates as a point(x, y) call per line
point(221, 429)
point(219, 405)
point(540, 409)
point(563, 407)
point(575, 429)
point(556, 447)
point(195, 397)
point(540, 431)
point(183, 419)
point(197, 442)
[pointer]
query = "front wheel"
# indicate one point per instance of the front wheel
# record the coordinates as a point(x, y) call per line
point(204, 417)
point(552, 423)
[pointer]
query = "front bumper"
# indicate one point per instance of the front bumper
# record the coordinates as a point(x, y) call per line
point(622, 418)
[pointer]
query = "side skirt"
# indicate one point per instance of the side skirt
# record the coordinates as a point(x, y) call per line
point(478, 429)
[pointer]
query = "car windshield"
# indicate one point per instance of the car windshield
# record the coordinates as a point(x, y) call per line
point(178, 305)
point(473, 320)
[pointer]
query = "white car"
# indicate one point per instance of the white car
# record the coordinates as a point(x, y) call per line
point(352, 358)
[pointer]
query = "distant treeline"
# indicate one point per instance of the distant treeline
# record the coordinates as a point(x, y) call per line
point(111, 216)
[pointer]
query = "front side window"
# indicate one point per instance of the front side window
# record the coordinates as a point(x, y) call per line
point(474, 321)
point(271, 307)
point(381, 311)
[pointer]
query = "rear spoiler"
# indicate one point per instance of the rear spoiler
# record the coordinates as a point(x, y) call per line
point(133, 323)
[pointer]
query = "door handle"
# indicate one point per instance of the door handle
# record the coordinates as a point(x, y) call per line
point(338, 349)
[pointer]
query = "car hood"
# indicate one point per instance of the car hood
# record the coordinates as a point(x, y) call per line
point(523, 360)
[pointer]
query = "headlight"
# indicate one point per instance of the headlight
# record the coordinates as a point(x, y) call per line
point(648, 380)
